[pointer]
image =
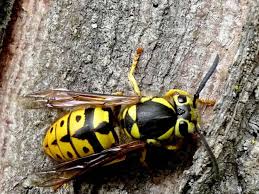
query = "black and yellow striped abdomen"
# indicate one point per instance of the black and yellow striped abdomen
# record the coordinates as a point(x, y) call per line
point(151, 118)
point(80, 133)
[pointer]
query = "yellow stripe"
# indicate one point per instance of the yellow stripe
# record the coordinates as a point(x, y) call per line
point(167, 134)
point(100, 116)
point(54, 148)
point(175, 92)
point(144, 99)
point(135, 131)
point(127, 133)
point(105, 140)
point(132, 112)
point(124, 113)
point(46, 149)
point(61, 131)
point(76, 124)
point(163, 102)
point(191, 127)
point(80, 144)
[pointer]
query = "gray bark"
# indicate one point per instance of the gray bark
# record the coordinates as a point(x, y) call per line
point(5, 13)
point(88, 46)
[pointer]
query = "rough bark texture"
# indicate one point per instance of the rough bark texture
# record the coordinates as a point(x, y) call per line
point(5, 13)
point(88, 46)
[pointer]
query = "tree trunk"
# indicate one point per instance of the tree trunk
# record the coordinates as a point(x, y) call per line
point(88, 46)
point(5, 12)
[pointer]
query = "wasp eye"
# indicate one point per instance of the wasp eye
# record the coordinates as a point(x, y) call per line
point(183, 128)
point(182, 99)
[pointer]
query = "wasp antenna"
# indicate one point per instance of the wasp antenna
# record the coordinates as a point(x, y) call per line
point(209, 151)
point(205, 79)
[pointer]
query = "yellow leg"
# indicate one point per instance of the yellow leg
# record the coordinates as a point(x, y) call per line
point(143, 156)
point(173, 92)
point(119, 93)
point(116, 161)
point(131, 77)
point(207, 102)
point(172, 147)
point(153, 142)
point(175, 146)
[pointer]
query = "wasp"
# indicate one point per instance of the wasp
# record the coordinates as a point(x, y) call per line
point(87, 137)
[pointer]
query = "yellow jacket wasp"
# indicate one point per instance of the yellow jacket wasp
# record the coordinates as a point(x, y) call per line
point(86, 138)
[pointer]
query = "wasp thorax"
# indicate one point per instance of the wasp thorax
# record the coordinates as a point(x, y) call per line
point(151, 118)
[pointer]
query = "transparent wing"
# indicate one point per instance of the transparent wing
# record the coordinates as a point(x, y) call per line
point(61, 98)
point(67, 171)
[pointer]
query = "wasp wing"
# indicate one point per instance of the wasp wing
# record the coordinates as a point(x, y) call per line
point(67, 171)
point(61, 98)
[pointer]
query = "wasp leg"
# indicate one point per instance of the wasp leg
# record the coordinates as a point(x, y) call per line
point(119, 93)
point(116, 161)
point(207, 102)
point(143, 158)
point(153, 142)
point(173, 92)
point(131, 77)
point(175, 146)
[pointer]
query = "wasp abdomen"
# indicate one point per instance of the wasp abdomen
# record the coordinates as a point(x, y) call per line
point(80, 133)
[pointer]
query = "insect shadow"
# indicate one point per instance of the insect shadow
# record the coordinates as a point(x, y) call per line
point(132, 173)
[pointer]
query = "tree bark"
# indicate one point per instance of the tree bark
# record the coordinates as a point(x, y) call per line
point(88, 46)
point(5, 13)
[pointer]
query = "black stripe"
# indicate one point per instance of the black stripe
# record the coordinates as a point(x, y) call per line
point(51, 153)
point(87, 131)
point(89, 116)
point(183, 128)
point(65, 138)
point(105, 128)
point(128, 122)
point(68, 133)
point(114, 134)
point(112, 123)
point(54, 142)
